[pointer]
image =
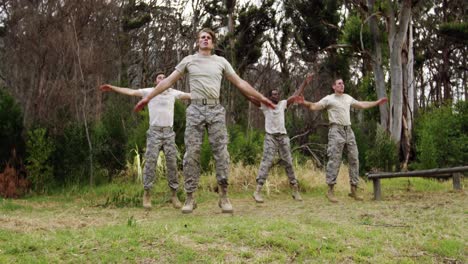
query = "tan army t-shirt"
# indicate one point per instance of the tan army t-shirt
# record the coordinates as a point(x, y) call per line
point(338, 108)
point(205, 74)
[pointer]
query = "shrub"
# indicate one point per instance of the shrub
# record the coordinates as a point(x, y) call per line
point(110, 135)
point(137, 135)
point(71, 155)
point(39, 148)
point(12, 182)
point(383, 154)
point(245, 147)
point(442, 137)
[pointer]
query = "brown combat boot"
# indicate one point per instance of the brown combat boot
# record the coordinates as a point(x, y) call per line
point(147, 200)
point(175, 200)
point(354, 194)
point(331, 194)
point(224, 202)
point(190, 204)
point(257, 195)
point(295, 192)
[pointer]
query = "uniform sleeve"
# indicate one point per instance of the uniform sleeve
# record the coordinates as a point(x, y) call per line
point(146, 91)
point(177, 94)
point(352, 100)
point(182, 66)
point(228, 70)
point(283, 104)
point(324, 102)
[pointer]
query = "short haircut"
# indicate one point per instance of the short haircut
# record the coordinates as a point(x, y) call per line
point(209, 31)
point(155, 75)
point(336, 79)
point(270, 93)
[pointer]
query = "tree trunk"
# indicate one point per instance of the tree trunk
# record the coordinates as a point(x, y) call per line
point(465, 80)
point(83, 87)
point(230, 5)
point(396, 39)
point(90, 144)
point(377, 66)
point(396, 104)
point(408, 97)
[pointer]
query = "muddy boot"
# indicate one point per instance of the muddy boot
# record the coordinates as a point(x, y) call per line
point(175, 200)
point(257, 195)
point(295, 192)
point(147, 200)
point(224, 202)
point(331, 194)
point(189, 205)
point(354, 194)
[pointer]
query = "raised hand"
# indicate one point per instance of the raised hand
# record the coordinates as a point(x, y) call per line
point(105, 88)
point(306, 82)
point(382, 101)
point(299, 99)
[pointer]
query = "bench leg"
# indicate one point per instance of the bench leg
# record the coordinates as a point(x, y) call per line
point(457, 181)
point(377, 190)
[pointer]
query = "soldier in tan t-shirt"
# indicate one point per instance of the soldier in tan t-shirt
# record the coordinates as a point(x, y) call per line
point(340, 134)
point(205, 72)
point(160, 135)
point(277, 140)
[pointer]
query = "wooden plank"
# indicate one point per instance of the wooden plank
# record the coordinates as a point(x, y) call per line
point(421, 173)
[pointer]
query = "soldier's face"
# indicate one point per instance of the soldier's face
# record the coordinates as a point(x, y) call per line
point(275, 96)
point(159, 78)
point(205, 41)
point(338, 87)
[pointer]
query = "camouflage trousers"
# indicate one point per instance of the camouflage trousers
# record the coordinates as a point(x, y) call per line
point(160, 138)
point(338, 138)
point(213, 119)
point(271, 146)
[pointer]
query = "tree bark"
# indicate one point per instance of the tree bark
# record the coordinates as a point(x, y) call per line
point(377, 66)
point(230, 6)
point(396, 38)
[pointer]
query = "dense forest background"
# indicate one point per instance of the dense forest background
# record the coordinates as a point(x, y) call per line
point(58, 129)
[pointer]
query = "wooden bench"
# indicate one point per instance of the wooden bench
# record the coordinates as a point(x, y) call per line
point(456, 173)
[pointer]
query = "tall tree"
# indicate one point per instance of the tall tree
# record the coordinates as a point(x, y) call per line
point(377, 61)
point(441, 42)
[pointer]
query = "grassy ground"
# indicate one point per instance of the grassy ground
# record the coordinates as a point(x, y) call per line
point(418, 221)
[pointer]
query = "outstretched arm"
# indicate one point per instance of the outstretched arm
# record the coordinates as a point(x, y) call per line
point(306, 82)
point(312, 106)
point(300, 91)
point(161, 87)
point(248, 91)
point(253, 101)
point(366, 104)
point(293, 99)
point(120, 90)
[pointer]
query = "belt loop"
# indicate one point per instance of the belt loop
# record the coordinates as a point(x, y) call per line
point(204, 101)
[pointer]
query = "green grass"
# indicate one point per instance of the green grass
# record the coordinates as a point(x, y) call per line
point(9, 205)
point(421, 222)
